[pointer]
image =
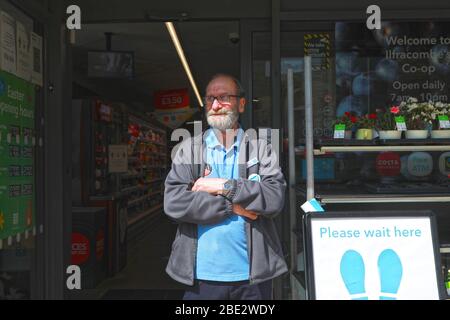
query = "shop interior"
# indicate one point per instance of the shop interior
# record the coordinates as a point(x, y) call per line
point(117, 206)
point(129, 91)
point(351, 76)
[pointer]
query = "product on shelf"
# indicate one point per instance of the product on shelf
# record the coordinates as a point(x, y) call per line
point(146, 169)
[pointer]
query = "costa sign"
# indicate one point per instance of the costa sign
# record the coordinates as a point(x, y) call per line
point(388, 164)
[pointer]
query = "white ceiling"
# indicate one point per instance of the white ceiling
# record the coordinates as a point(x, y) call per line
point(157, 66)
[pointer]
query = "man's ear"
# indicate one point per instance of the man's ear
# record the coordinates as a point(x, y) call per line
point(241, 105)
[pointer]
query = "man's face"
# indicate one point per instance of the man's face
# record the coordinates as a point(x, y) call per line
point(223, 115)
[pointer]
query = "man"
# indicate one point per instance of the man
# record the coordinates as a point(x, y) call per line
point(226, 246)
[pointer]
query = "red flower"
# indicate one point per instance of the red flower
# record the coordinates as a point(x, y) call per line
point(372, 116)
point(353, 119)
point(395, 109)
point(347, 114)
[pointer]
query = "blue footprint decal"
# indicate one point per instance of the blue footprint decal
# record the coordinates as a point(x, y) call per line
point(391, 271)
point(353, 274)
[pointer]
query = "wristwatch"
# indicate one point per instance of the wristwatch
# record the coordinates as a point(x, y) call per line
point(228, 186)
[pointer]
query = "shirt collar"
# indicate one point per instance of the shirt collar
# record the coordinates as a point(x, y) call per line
point(212, 141)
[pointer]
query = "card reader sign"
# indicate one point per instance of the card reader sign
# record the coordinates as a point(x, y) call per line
point(14, 190)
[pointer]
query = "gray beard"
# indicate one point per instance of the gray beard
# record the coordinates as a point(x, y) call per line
point(224, 123)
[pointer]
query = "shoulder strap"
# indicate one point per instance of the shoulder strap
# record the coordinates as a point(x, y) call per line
point(268, 137)
point(198, 168)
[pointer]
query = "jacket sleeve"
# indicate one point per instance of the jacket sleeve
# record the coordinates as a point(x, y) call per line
point(184, 205)
point(266, 197)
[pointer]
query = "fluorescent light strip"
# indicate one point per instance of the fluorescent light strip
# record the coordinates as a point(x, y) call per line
point(177, 45)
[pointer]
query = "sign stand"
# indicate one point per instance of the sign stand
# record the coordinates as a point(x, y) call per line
point(378, 255)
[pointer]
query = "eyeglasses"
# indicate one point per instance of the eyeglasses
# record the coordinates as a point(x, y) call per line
point(221, 99)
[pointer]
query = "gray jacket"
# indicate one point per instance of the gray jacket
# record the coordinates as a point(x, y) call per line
point(189, 209)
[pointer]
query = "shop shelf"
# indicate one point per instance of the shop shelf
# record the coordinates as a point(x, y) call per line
point(385, 199)
point(140, 199)
point(143, 214)
point(415, 142)
point(154, 193)
point(131, 175)
point(130, 189)
point(346, 194)
point(157, 143)
point(154, 167)
point(322, 146)
point(345, 142)
point(135, 201)
point(381, 148)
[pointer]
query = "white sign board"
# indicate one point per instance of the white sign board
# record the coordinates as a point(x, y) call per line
point(118, 158)
point(36, 50)
point(373, 257)
point(7, 43)
point(23, 46)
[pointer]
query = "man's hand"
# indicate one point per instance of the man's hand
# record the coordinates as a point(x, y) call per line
point(213, 186)
point(244, 213)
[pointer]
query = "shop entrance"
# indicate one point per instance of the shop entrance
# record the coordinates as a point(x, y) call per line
point(129, 93)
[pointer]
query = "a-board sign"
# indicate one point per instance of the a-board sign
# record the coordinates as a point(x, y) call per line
point(373, 255)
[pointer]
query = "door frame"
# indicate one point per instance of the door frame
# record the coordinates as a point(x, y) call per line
point(53, 210)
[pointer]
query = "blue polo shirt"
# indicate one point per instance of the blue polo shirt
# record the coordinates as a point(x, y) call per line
point(222, 247)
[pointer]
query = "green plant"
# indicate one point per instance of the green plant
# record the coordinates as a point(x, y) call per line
point(349, 119)
point(386, 118)
point(418, 115)
point(440, 109)
point(367, 121)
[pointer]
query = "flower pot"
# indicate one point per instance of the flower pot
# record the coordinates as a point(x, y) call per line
point(390, 134)
point(348, 134)
point(416, 134)
point(440, 134)
point(364, 134)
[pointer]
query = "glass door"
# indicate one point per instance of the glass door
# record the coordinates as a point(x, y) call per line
point(363, 76)
point(297, 41)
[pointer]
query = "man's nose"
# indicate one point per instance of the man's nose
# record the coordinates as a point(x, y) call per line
point(216, 105)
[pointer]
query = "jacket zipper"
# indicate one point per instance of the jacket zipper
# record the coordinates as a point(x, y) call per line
point(250, 248)
point(194, 253)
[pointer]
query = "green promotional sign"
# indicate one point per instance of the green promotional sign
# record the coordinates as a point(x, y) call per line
point(17, 141)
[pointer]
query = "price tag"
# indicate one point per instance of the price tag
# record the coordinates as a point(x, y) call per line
point(444, 123)
point(339, 131)
point(401, 124)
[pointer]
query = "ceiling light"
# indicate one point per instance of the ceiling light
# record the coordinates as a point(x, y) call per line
point(177, 45)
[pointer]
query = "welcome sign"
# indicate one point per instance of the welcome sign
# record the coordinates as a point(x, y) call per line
point(373, 256)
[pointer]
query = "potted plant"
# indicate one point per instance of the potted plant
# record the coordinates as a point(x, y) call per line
point(440, 117)
point(418, 117)
point(348, 119)
point(366, 124)
point(385, 123)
